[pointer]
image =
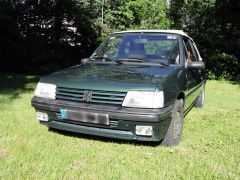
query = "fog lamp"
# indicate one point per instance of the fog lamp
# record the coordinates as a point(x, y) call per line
point(42, 116)
point(144, 130)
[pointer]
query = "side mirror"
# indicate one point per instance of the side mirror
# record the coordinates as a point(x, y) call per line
point(196, 65)
point(84, 61)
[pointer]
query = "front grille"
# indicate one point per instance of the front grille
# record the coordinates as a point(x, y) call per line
point(113, 123)
point(97, 96)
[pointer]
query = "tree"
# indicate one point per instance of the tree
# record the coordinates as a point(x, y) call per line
point(56, 32)
point(135, 14)
point(215, 27)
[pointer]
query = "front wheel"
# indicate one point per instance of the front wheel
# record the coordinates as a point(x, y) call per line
point(174, 132)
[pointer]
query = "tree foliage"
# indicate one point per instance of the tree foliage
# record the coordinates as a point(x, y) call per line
point(215, 26)
point(140, 14)
point(44, 35)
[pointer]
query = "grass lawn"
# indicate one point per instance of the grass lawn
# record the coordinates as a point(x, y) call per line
point(210, 145)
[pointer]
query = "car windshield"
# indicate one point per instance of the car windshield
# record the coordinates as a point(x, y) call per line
point(160, 48)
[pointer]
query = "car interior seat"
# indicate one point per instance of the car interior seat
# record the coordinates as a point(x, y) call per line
point(173, 55)
point(137, 50)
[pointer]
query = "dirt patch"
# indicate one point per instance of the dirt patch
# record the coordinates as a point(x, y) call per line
point(77, 164)
point(4, 153)
point(184, 151)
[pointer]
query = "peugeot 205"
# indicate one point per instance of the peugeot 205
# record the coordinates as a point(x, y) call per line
point(137, 85)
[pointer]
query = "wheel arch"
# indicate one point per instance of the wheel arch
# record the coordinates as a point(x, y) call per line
point(181, 95)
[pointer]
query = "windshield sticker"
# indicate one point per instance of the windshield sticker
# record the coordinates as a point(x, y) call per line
point(171, 37)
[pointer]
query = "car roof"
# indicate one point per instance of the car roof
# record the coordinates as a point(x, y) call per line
point(179, 32)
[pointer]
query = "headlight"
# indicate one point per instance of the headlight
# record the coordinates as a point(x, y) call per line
point(144, 99)
point(45, 90)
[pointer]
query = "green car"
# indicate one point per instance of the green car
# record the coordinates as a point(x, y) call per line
point(137, 85)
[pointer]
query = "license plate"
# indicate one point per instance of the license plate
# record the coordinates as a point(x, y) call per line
point(83, 116)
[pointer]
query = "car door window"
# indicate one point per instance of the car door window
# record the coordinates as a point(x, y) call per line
point(196, 51)
point(190, 52)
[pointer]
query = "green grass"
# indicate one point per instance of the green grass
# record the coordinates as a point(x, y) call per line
point(210, 145)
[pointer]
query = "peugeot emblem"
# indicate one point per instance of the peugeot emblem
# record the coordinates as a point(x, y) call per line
point(87, 95)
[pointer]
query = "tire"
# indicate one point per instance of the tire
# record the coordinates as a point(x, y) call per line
point(200, 100)
point(174, 132)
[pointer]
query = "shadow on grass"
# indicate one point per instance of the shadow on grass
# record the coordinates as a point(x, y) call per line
point(235, 82)
point(104, 139)
point(13, 85)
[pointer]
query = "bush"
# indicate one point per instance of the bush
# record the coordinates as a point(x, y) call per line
point(223, 66)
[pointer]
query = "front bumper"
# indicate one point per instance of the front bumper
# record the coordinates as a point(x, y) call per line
point(122, 124)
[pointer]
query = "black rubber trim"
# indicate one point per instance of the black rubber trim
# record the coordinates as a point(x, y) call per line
point(114, 112)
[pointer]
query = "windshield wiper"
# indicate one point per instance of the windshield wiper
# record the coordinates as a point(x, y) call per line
point(139, 60)
point(101, 58)
point(164, 64)
point(118, 61)
point(131, 59)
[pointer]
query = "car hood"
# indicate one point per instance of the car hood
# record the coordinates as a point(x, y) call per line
point(115, 77)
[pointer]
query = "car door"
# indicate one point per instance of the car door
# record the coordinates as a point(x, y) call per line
point(195, 77)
